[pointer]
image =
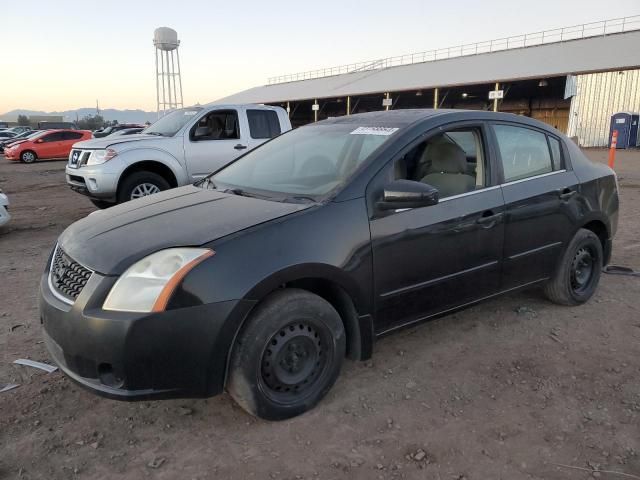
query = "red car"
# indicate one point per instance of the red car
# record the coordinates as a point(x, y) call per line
point(49, 145)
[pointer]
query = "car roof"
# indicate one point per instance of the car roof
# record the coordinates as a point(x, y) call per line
point(53, 130)
point(409, 117)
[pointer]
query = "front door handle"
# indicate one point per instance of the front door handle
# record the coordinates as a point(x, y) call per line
point(566, 193)
point(240, 147)
point(489, 219)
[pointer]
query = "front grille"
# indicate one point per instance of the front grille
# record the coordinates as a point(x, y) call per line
point(68, 278)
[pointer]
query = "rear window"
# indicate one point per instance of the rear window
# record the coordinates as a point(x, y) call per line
point(263, 123)
point(72, 135)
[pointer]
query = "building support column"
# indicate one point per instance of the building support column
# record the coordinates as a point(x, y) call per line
point(348, 105)
point(288, 109)
point(495, 100)
point(386, 107)
point(315, 110)
point(435, 98)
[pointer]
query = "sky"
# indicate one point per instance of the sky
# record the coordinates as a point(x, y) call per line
point(65, 54)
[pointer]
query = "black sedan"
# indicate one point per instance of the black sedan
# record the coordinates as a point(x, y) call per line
point(261, 278)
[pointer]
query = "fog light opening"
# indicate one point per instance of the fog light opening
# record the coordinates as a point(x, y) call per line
point(108, 377)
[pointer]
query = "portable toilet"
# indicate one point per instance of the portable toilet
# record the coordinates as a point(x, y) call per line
point(626, 123)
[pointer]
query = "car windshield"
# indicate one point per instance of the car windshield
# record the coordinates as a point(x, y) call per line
point(310, 161)
point(171, 123)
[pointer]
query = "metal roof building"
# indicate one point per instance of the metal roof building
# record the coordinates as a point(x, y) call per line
point(569, 77)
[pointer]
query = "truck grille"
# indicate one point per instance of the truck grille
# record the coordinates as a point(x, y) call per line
point(67, 277)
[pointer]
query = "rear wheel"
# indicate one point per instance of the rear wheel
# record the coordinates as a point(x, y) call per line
point(578, 273)
point(141, 184)
point(287, 356)
point(28, 156)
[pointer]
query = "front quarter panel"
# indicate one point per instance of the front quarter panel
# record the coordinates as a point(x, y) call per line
point(331, 242)
point(169, 153)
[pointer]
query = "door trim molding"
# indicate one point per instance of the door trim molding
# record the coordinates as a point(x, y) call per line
point(458, 307)
point(433, 281)
point(535, 250)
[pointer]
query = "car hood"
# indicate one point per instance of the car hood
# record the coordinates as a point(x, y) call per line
point(109, 241)
point(14, 143)
point(105, 142)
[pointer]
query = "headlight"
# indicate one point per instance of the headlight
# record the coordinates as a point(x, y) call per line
point(98, 157)
point(148, 284)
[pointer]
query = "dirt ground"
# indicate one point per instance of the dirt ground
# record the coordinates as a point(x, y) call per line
point(510, 389)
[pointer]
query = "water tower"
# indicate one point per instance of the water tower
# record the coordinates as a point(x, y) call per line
point(168, 81)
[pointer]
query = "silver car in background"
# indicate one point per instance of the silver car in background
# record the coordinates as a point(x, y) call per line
point(4, 205)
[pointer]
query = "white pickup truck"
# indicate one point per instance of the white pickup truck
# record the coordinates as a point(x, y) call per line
point(180, 148)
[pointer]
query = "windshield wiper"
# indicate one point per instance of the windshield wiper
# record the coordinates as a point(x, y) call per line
point(299, 199)
point(154, 133)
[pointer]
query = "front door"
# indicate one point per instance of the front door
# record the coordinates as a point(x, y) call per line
point(215, 140)
point(51, 145)
point(542, 202)
point(431, 259)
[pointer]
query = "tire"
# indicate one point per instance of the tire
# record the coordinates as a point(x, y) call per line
point(28, 156)
point(135, 184)
point(287, 356)
point(577, 276)
point(101, 204)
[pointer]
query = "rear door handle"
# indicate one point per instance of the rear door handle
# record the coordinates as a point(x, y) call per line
point(489, 218)
point(240, 147)
point(566, 193)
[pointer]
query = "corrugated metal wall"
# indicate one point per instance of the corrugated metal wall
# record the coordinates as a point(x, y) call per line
point(600, 95)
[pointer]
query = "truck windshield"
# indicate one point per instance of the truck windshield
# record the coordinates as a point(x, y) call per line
point(310, 161)
point(171, 123)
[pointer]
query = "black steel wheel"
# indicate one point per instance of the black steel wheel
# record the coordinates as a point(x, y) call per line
point(578, 273)
point(287, 356)
point(582, 269)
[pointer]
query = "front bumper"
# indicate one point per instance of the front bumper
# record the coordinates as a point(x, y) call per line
point(93, 182)
point(137, 356)
point(11, 155)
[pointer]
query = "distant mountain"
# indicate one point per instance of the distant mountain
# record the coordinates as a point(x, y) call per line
point(110, 114)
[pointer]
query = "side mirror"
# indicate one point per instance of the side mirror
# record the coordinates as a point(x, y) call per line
point(408, 194)
point(39, 140)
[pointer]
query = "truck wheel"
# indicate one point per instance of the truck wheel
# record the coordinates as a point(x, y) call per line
point(578, 273)
point(141, 184)
point(287, 356)
point(28, 156)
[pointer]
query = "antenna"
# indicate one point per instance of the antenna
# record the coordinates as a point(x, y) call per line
point(168, 80)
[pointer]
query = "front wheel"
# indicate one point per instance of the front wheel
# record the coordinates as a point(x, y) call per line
point(28, 156)
point(141, 184)
point(577, 276)
point(288, 355)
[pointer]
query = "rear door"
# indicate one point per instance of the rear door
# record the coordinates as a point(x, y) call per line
point(263, 125)
point(217, 138)
point(542, 201)
point(68, 139)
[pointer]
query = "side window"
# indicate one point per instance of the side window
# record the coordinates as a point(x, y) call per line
point(556, 153)
point(524, 152)
point(263, 123)
point(52, 137)
point(454, 162)
point(216, 125)
point(72, 136)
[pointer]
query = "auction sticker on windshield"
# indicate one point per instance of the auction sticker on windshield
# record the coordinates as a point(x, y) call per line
point(374, 131)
